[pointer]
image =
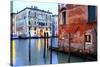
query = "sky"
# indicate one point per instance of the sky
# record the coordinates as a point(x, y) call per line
point(19, 5)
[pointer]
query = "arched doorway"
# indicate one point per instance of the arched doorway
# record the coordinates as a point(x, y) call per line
point(41, 32)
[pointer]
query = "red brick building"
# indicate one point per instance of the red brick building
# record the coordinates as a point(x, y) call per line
point(77, 27)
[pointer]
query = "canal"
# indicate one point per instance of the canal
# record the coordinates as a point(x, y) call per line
point(20, 52)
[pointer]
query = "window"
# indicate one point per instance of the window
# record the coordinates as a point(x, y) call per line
point(29, 13)
point(46, 23)
point(41, 23)
point(34, 28)
point(34, 22)
point(46, 29)
point(50, 24)
point(34, 32)
point(64, 18)
point(46, 17)
point(35, 14)
point(91, 13)
point(24, 17)
point(50, 28)
point(50, 18)
point(87, 38)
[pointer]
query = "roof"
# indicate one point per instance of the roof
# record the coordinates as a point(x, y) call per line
point(54, 15)
point(34, 9)
point(13, 13)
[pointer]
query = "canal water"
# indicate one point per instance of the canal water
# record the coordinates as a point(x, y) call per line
point(21, 53)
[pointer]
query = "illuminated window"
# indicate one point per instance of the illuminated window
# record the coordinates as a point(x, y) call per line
point(87, 38)
point(34, 28)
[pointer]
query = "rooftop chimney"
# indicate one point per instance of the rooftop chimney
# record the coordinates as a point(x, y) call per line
point(48, 11)
point(31, 6)
point(35, 7)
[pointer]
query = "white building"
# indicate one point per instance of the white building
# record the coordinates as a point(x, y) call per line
point(39, 20)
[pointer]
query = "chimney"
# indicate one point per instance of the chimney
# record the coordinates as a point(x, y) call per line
point(31, 6)
point(35, 7)
point(48, 11)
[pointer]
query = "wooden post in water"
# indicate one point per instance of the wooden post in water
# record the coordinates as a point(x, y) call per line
point(29, 45)
point(47, 40)
point(29, 50)
point(51, 52)
point(44, 45)
point(69, 48)
point(84, 43)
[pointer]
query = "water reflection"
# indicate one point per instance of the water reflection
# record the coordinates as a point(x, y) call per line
point(37, 52)
point(13, 52)
point(39, 43)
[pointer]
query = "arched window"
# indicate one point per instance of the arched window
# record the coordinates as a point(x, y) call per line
point(64, 18)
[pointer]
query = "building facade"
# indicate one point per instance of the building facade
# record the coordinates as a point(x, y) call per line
point(39, 20)
point(55, 25)
point(77, 28)
point(13, 23)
